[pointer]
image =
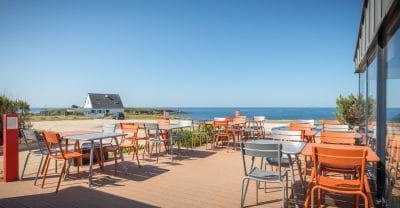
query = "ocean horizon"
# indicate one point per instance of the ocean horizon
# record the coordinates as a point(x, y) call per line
point(272, 113)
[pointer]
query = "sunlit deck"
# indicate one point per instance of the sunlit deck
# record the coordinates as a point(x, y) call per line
point(198, 178)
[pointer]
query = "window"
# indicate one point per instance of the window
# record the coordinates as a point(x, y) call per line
point(393, 102)
point(372, 87)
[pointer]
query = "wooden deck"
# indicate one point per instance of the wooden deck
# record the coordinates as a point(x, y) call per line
point(198, 178)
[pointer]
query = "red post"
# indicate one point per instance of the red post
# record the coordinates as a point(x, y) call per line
point(10, 147)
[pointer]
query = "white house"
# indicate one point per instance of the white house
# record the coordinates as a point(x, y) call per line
point(97, 105)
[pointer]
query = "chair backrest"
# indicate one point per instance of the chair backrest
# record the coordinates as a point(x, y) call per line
point(53, 140)
point(219, 119)
point(260, 150)
point(333, 157)
point(151, 130)
point(239, 119)
point(129, 128)
point(300, 126)
point(336, 128)
point(332, 122)
point(312, 122)
point(259, 118)
point(338, 138)
point(163, 122)
point(35, 137)
point(108, 128)
point(287, 135)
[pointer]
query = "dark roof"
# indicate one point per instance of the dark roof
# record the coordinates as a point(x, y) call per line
point(105, 101)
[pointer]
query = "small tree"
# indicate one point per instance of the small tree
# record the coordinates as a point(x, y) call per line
point(352, 110)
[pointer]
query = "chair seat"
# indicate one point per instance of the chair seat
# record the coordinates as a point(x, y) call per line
point(266, 175)
point(156, 140)
point(68, 155)
point(339, 184)
point(126, 145)
point(274, 161)
point(111, 148)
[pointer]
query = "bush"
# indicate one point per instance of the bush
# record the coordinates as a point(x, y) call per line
point(351, 110)
point(8, 106)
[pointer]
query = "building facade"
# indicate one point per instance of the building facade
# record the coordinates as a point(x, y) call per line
point(98, 105)
point(377, 62)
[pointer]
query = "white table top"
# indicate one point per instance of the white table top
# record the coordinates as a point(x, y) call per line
point(94, 136)
point(287, 147)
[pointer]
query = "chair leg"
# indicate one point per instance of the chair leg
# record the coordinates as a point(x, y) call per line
point(319, 197)
point(61, 175)
point(244, 191)
point(137, 155)
point(26, 161)
point(257, 187)
point(45, 164)
point(312, 196)
point(38, 171)
point(115, 162)
point(45, 171)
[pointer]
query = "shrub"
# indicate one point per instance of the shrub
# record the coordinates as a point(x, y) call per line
point(352, 110)
point(19, 107)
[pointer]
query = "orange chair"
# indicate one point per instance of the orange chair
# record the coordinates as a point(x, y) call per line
point(327, 156)
point(129, 142)
point(54, 140)
point(164, 133)
point(221, 130)
point(338, 138)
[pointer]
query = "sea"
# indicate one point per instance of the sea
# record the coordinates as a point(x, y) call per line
point(272, 113)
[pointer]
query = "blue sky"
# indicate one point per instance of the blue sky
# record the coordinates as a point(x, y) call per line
point(179, 53)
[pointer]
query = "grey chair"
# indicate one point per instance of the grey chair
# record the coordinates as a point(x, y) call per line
point(199, 132)
point(261, 175)
point(284, 135)
point(39, 150)
point(154, 137)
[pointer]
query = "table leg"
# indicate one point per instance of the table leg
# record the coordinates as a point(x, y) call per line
point(171, 145)
point(293, 179)
point(300, 173)
point(101, 155)
point(91, 163)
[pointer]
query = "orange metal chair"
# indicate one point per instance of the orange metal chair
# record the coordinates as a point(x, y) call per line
point(129, 142)
point(338, 138)
point(221, 130)
point(54, 140)
point(333, 157)
point(164, 133)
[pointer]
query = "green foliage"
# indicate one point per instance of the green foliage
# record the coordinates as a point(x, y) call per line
point(352, 110)
point(19, 107)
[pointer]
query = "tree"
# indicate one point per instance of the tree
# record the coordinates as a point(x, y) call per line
point(352, 110)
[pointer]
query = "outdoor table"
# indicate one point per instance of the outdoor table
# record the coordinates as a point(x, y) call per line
point(169, 128)
point(289, 148)
point(307, 151)
point(91, 137)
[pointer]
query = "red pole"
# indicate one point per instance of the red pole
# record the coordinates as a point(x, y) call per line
point(10, 147)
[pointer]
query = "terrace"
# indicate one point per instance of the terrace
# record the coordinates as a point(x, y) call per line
point(198, 178)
